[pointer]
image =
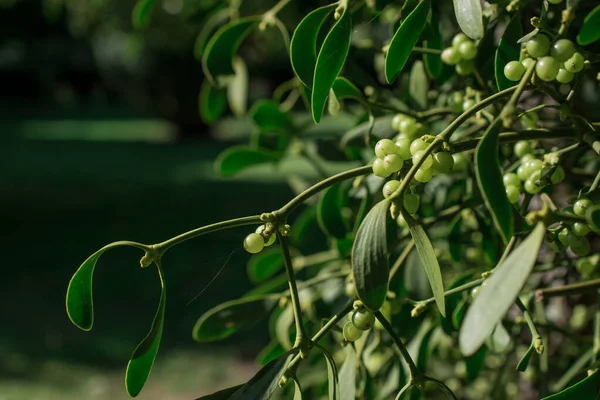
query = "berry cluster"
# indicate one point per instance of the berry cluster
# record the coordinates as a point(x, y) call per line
point(461, 54)
point(361, 320)
point(574, 236)
point(264, 236)
point(555, 61)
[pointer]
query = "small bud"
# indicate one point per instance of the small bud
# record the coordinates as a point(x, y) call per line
point(146, 261)
point(538, 345)
point(283, 381)
point(418, 310)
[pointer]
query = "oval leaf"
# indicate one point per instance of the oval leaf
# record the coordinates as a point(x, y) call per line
point(269, 353)
point(303, 47)
point(330, 61)
point(455, 238)
point(469, 16)
point(218, 56)
point(489, 179)
point(348, 375)
point(585, 389)
point(418, 85)
point(225, 319)
point(332, 373)
point(264, 265)
point(212, 102)
point(238, 158)
point(508, 50)
point(328, 212)
point(369, 257)
point(142, 359)
point(433, 62)
point(268, 117)
point(344, 89)
point(208, 29)
point(524, 363)
point(263, 384)
point(140, 17)
point(593, 218)
point(499, 294)
point(589, 31)
point(405, 39)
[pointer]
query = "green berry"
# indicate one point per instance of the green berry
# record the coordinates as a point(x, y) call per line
point(558, 175)
point(564, 237)
point(511, 179)
point(424, 175)
point(420, 155)
point(522, 147)
point(527, 62)
point(580, 207)
point(408, 127)
point(379, 168)
point(547, 68)
point(575, 63)
point(411, 202)
point(458, 39)
point(351, 333)
point(530, 184)
point(465, 67)
point(580, 246)
point(442, 162)
point(390, 187)
point(513, 71)
point(580, 229)
point(513, 193)
point(254, 243)
point(585, 267)
point(538, 46)
point(562, 49)
point(363, 319)
point(455, 102)
point(386, 311)
point(401, 221)
point(467, 50)
point(475, 292)
point(460, 162)
point(451, 56)
point(468, 103)
point(555, 1)
point(564, 76)
point(530, 120)
point(534, 166)
point(527, 158)
point(403, 148)
point(271, 238)
point(384, 147)
point(398, 118)
point(522, 173)
point(417, 145)
point(392, 163)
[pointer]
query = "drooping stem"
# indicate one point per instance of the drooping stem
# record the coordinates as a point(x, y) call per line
point(412, 367)
point(536, 338)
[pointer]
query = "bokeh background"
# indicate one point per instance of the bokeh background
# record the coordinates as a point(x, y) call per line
point(102, 141)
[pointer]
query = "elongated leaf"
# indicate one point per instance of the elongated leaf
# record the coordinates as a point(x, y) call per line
point(209, 27)
point(142, 359)
point(225, 319)
point(237, 90)
point(80, 302)
point(405, 39)
point(238, 158)
point(370, 265)
point(140, 17)
point(269, 353)
point(265, 264)
point(452, 303)
point(332, 374)
point(282, 327)
point(499, 294)
point(212, 102)
point(593, 218)
point(348, 375)
point(508, 50)
point(433, 62)
point(344, 89)
point(330, 61)
point(418, 86)
point(218, 56)
point(297, 390)
point(589, 32)
point(475, 363)
point(524, 363)
point(489, 179)
point(430, 262)
point(268, 117)
point(588, 388)
point(455, 238)
point(328, 212)
point(469, 16)
point(223, 394)
point(263, 384)
point(303, 47)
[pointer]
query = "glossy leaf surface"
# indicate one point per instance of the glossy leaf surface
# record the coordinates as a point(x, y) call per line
point(590, 30)
point(265, 264)
point(470, 17)
point(268, 117)
point(212, 102)
point(508, 50)
point(237, 158)
point(588, 388)
point(328, 212)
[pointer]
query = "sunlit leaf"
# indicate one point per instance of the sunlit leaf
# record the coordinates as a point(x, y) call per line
point(405, 39)
point(237, 89)
point(263, 384)
point(268, 117)
point(142, 359)
point(217, 61)
point(330, 61)
point(225, 319)
point(328, 212)
point(212, 102)
point(265, 264)
point(238, 158)
point(469, 16)
point(303, 47)
point(589, 32)
point(593, 218)
point(489, 179)
point(369, 257)
point(418, 86)
point(344, 89)
point(524, 363)
point(140, 17)
point(508, 50)
point(585, 389)
point(500, 292)
point(348, 375)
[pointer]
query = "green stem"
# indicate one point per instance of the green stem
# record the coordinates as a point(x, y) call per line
point(595, 184)
point(426, 50)
point(421, 305)
point(567, 149)
point(510, 137)
point(536, 338)
point(508, 112)
point(412, 367)
point(287, 209)
point(573, 288)
point(401, 258)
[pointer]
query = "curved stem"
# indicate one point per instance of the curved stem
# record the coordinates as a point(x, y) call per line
point(401, 258)
point(510, 137)
point(459, 289)
point(412, 367)
point(536, 338)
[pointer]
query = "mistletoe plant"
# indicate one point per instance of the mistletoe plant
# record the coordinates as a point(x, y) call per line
point(475, 188)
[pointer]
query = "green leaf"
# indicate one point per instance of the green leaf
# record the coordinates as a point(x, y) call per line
point(499, 341)
point(500, 292)
point(268, 117)
point(508, 50)
point(418, 85)
point(80, 302)
point(208, 29)
point(489, 179)
point(455, 238)
point(217, 61)
point(348, 375)
point(524, 363)
point(433, 62)
point(405, 39)
point(142, 359)
point(140, 17)
point(264, 265)
point(452, 302)
point(370, 265)
point(430, 262)
point(283, 327)
point(332, 373)
point(225, 319)
point(223, 394)
point(237, 89)
point(303, 47)
point(263, 384)
point(269, 353)
point(589, 32)
point(212, 102)
point(297, 389)
point(588, 388)
point(330, 61)
point(469, 16)
point(425, 349)
point(238, 158)
point(328, 212)
point(475, 363)
point(593, 218)
point(344, 89)
point(382, 128)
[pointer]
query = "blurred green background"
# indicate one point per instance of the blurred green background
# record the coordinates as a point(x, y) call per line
point(101, 142)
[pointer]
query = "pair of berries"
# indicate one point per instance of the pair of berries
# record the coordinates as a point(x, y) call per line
point(361, 320)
